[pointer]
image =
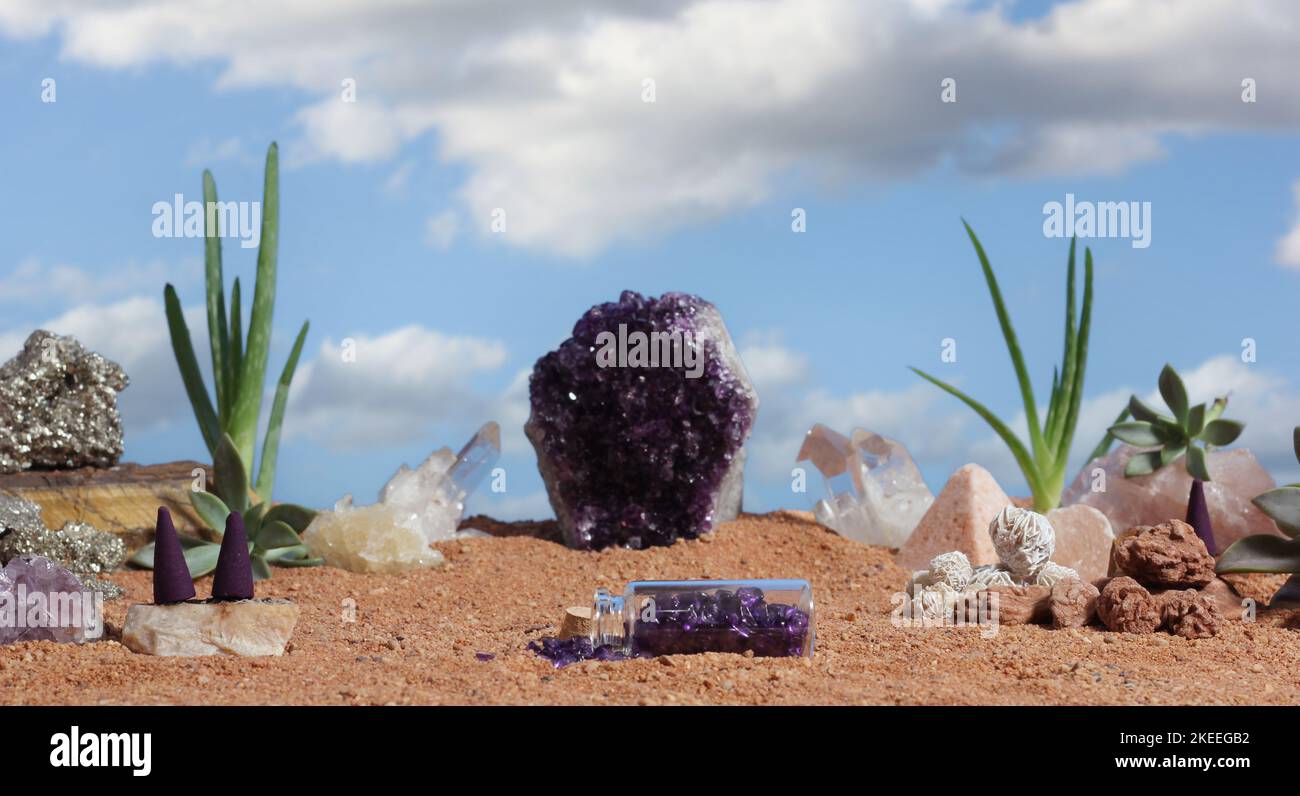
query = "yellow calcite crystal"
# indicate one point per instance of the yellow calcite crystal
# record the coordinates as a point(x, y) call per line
point(369, 539)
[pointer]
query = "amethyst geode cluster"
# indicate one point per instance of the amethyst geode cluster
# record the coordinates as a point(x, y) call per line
point(639, 421)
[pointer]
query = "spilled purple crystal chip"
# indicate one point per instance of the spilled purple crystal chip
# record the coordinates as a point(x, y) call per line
point(563, 652)
point(639, 422)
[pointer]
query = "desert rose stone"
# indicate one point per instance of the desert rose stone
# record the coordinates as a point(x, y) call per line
point(639, 421)
point(247, 628)
point(1162, 495)
point(1083, 540)
point(874, 491)
point(958, 520)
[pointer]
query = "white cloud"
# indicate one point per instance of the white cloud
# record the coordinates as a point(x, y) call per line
point(205, 152)
point(34, 282)
point(1288, 248)
point(372, 391)
point(543, 105)
point(940, 431)
point(440, 230)
point(133, 333)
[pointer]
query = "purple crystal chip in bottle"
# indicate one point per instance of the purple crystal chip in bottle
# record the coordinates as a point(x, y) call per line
point(768, 618)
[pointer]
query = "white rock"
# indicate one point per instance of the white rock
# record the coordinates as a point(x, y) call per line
point(1051, 572)
point(952, 569)
point(247, 628)
point(1024, 541)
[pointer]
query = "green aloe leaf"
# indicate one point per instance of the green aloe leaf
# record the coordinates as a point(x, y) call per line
point(1196, 464)
point(1013, 348)
point(1174, 393)
point(218, 337)
point(291, 514)
point(261, 570)
point(144, 556)
point(1017, 447)
point(1222, 432)
point(1103, 447)
point(1216, 409)
point(252, 376)
point(1142, 464)
point(1170, 453)
point(271, 443)
point(276, 534)
point(202, 560)
point(1136, 432)
point(1283, 506)
point(211, 509)
point(293, 552)
point(231, 475)
point(1196, 421)
point(236, 342)
point(183, 349)
point(1261, 553)
point(304, 561)
point(1080, 370)
point(1295, 442)
point(1061, 396)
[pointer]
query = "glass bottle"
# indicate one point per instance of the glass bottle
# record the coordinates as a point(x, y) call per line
point(771, 618)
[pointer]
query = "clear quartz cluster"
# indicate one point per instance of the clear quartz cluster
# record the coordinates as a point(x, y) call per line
point(874, 491)
point(416, 507)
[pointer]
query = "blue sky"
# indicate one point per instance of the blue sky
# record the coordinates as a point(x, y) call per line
point(693, 192)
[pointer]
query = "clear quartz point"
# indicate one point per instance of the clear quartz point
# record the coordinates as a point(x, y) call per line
point(874, 491)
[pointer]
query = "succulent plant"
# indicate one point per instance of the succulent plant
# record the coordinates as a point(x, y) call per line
point(1044, 460)
point(273, 531)
point(1172, 438)
point(229, 425)
point(1266, 552)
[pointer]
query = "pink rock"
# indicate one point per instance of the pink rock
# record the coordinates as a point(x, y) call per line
point(958, 520)
point(1083, 540)
point(1162, 495)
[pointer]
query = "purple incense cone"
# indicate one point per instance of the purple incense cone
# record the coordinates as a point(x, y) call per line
point(233, 579)
point(1198, 516)
point(171, 576)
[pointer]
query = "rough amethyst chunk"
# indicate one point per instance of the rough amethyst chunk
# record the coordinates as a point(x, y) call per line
point(639, 421)
point(42, 601)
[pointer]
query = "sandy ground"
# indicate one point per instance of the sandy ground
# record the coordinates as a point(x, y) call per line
point(415, 637)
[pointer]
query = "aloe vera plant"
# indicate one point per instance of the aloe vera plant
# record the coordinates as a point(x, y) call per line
point(1266, 552)
point(228, 419)
point(1174, 437)
point(1044, 460)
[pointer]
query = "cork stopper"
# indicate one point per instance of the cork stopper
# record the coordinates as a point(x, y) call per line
point(577, 622)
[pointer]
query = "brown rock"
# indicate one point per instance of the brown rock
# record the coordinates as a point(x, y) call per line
point(1083, 540)
point(1258, 586)
point(1168, 555)
point(1230, 604)
point(1126, 607)
point(1189, 613)
point(957, 520)
point(1073, 603)
point(242, 627)
point(1017, 605)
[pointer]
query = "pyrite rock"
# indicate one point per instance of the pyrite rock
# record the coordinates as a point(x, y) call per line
point(639, 421)
point(58, 407)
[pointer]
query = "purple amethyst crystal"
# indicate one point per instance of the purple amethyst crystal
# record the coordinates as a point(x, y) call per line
point(562, 652)
point(42, 601)
point(233, 578)
point(722, 621)
point(171, 575)
point(639, 421)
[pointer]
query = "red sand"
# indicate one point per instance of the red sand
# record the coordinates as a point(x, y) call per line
point(415, 636)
